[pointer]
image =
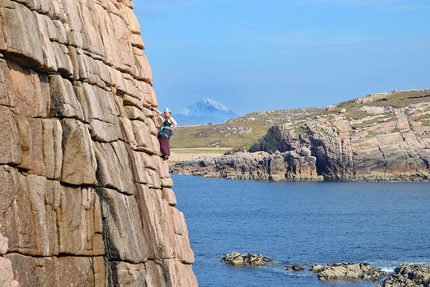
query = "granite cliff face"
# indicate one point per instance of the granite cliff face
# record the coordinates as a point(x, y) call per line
point(84, 199)
point(380, 137)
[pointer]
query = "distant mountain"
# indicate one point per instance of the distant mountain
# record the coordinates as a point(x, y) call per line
point(203, 112)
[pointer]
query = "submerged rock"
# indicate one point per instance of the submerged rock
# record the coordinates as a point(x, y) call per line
point(294, 268)
point(248, 259)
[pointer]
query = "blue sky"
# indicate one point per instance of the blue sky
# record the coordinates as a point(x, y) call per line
point(268, 55)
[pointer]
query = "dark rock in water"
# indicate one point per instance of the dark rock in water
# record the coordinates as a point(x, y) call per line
point(248, 259)
point(350, 271)
point(417, 275)
point(294, 268)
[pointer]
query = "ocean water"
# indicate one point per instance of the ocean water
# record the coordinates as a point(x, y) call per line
point(302, 223)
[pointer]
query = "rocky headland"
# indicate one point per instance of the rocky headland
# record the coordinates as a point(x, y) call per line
point(85, 199)
point(379, 137)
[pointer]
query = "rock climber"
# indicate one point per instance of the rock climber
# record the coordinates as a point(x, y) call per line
point(168, 124)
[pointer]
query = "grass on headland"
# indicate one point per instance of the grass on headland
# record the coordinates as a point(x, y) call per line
point(236, 134)
point(184, 154)
point(217, 151)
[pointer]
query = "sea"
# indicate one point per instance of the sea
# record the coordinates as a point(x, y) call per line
point(385, 224)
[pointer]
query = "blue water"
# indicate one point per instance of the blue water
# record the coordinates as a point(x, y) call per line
point(305, 223)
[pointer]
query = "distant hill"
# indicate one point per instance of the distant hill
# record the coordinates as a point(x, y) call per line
point(203, 112)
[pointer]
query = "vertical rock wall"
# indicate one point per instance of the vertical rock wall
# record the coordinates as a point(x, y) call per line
point(84, 198)
point(396, 147)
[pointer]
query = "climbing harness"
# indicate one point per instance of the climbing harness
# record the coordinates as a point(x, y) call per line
point(166, 128)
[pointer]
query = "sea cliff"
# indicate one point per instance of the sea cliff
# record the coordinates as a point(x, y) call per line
point(84, 198)
point(379, 137)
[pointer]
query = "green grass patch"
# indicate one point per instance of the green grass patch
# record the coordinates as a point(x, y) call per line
point(219, 151)
point(401, 99)
point(366, 123)
point(239, 133)
point(425, 123)
point(300, 130)
point(371, 134)
point(421, 117)
point(355, 114)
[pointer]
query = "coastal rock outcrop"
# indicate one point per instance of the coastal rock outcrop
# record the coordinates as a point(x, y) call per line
point(387, 144)
point(380, 137)
point(248, 259)
point(409, 275)
point(85, 199)
point(349, 271)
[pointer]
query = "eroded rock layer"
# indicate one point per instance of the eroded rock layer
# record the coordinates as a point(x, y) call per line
point(380, 137)
point(84, 199)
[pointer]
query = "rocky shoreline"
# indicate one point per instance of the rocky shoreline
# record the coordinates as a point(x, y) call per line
point(279, 166)
point(260, 166)
point(416, 275)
